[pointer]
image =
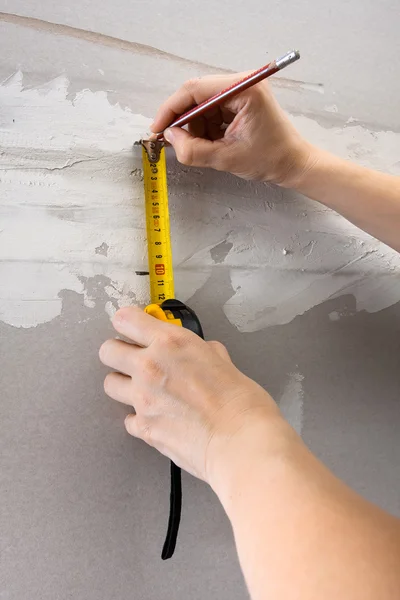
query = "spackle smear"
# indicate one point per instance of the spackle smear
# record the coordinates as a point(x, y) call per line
point(72, 209)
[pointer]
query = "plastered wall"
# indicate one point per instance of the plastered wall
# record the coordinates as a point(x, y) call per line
point(306, 303)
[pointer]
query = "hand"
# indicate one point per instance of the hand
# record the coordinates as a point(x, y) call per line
point(190, 400)
point(249, 136)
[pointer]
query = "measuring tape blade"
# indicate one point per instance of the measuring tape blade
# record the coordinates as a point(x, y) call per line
point(157, 222)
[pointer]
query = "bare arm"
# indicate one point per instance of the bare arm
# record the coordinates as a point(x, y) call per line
point(369, 199)
point(301, 534)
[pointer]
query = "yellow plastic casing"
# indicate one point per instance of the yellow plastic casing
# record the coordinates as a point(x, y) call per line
point(159, 313)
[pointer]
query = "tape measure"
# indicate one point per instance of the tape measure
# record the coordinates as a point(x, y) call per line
point(164, 306)
point(157, 222)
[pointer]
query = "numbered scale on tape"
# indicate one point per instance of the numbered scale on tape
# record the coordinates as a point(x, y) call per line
point(157, 222)
point(164, 306)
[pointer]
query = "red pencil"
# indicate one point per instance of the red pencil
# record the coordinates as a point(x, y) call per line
point(236, 88)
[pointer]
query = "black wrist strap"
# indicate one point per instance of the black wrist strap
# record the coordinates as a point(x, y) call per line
point(175, 509)
point(190, 321)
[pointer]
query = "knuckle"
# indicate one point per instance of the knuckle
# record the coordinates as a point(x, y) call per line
point(257, 97)
point(150, 367)
point(145, 401)
point(191, 84)
point(258, 91)
point(176, 339)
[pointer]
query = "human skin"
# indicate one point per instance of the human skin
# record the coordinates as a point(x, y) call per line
point(300, 532)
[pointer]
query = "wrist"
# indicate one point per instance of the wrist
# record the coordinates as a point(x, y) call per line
point(298, 165)
point(262, 442)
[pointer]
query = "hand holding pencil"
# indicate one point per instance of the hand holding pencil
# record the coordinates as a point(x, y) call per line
point(242, 130)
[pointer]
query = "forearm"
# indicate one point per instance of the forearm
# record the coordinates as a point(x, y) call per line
point(369, 199)
point(300, 532)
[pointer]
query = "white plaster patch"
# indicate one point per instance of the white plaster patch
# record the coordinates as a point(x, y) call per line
point(66, 190)
point(70, 185)
point(329, 256)
point(291, 402)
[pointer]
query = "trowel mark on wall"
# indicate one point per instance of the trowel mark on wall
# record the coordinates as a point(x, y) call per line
point(71, 190)
point(292, 399)
point(220, 251)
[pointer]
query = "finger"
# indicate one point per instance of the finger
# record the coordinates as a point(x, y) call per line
point(119, 387)
point(141, 328)
point(139, 428)
point(192, 92)
point(220, 350)
point(131, 425)
point(118, 355)
point(194, 151)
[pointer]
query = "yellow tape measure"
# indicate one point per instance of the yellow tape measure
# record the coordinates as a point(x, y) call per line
point(157, 222)
point(164, 306)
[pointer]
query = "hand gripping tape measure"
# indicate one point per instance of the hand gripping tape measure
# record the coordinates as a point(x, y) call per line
point(164, 306)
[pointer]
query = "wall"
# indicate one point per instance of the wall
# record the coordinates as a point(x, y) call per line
point(306, 303)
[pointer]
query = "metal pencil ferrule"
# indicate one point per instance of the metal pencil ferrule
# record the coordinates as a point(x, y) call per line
point(287, 59)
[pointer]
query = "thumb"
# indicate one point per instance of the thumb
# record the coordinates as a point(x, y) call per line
point(193, 151)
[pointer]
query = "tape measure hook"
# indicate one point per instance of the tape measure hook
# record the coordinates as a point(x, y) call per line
point(153, 149)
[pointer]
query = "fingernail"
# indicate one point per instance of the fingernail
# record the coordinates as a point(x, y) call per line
point(119, 316)
point(102, 352)
point(169, 135)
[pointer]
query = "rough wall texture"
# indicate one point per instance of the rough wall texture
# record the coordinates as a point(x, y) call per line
point(307, 304)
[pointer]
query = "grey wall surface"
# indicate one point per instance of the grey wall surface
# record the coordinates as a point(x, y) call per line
point(84, 506)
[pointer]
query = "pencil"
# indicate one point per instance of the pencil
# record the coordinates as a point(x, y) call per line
point(236, 88)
